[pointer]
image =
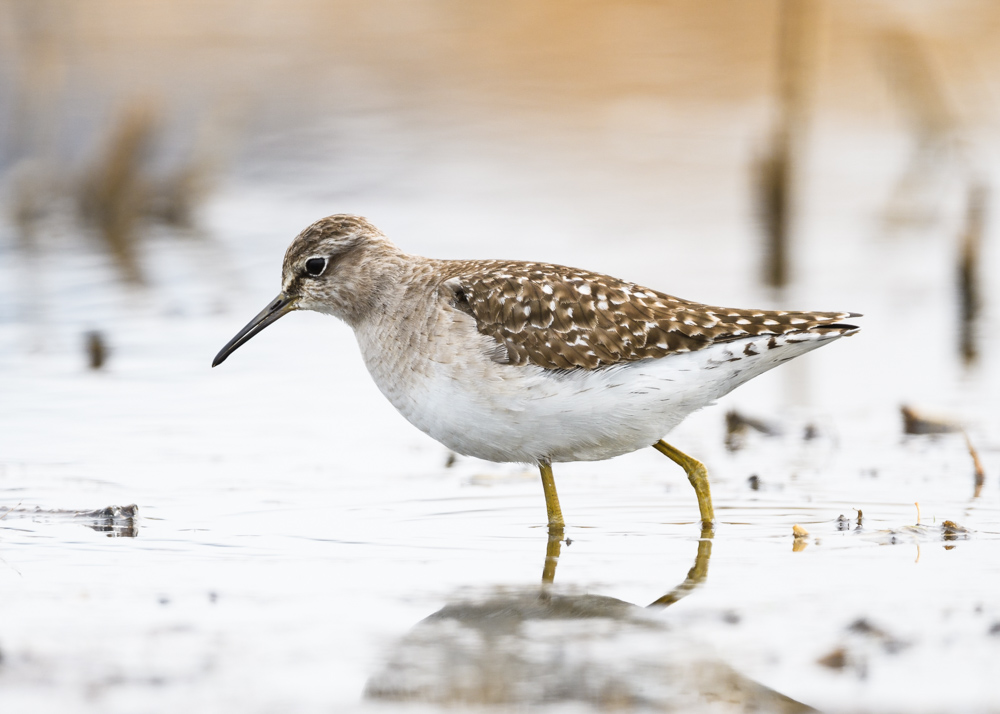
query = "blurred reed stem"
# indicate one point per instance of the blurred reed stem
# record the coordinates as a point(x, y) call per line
point(777, 170)
point(969, 289)
point(113, 193)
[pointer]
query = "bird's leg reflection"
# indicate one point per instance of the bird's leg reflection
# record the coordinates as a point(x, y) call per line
point(696, 576)
point(552, 550)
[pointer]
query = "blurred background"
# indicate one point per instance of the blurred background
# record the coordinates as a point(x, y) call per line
point(157, 157)
point(705, 149)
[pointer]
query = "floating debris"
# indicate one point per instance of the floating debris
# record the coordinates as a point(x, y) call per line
point(916, 423)
point(799, 535)
point(754, 482)
point(129, 511)
point(116, 521)
point(919, 533)
point(952, 531)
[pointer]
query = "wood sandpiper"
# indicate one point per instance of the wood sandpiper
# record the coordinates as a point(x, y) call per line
point(534, 363)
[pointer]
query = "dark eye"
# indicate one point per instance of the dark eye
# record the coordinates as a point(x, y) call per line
point(315, 266)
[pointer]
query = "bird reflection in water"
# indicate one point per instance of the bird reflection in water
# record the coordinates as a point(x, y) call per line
point(537, 645)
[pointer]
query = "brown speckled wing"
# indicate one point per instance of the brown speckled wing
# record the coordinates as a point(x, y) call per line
point(564, 318)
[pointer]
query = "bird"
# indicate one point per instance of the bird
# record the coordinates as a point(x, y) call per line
point(535, 363)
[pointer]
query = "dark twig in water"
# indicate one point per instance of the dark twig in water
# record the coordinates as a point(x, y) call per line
point(980, 473)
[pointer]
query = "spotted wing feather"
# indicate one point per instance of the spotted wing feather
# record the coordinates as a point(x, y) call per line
point(563, 318)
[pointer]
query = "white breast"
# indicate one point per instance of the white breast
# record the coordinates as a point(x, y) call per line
point(434, 368)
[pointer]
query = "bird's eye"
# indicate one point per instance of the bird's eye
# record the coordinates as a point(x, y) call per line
point(315, 266)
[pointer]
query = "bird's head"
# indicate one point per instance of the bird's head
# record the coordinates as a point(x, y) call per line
point(337, 266)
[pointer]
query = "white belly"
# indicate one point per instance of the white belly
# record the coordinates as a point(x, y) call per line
point(446, 386)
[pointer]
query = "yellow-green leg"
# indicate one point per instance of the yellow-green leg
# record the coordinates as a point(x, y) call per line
point(697, 475)
point(551, 497)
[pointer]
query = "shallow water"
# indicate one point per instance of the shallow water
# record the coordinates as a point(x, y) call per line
point(266, 587)
point(294, 534)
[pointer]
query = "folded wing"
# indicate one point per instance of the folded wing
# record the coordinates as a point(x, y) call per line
point(563, 318)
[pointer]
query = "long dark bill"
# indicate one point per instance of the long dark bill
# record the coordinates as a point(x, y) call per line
point(280, 306)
